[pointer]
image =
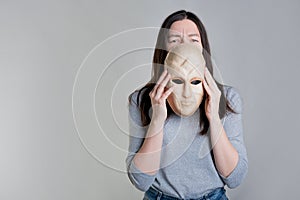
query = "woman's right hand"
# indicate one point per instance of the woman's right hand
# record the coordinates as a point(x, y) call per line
point(158, 97)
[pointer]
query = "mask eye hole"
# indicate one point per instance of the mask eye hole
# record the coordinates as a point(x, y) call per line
point(196, 82)
point(177, 81)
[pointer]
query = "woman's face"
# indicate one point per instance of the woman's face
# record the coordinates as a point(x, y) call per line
point(186, 79)
point(183, 31)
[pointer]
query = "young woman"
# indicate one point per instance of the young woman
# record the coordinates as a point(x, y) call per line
point(168, 158)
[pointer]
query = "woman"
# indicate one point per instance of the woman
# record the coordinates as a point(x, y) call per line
point(157, 163)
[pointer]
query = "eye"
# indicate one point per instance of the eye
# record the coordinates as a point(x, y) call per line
point(173, 41)
point(177, 81)
point(195, 82)
point(195, 40)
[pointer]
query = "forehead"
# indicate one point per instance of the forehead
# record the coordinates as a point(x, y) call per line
point(184, 26)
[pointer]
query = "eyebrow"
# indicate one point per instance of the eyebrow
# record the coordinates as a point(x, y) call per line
point(174, 35)
point(190, 35)
point(194, 34)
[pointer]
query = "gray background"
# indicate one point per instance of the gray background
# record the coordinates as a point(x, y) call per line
point(43, 44)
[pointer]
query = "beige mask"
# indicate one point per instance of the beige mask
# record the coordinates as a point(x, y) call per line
point(185, 63)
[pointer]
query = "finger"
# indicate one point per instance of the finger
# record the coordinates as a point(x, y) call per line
point(210, 80)
point(162, 86)
point(151, 94)
point(165, 80)
point(161, 78)
point(167, 93)
point(207, 88)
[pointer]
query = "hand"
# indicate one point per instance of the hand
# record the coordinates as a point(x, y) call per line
point(158, 97)
point(213, 97)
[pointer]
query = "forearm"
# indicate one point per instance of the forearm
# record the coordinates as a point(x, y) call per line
point(147, 159)
point(225, 155)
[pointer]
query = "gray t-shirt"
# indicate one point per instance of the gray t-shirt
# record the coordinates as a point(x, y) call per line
point(187, 169)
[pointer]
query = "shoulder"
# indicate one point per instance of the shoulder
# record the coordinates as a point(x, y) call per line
point(133, 97)
point(133, 108)
point(234, 98)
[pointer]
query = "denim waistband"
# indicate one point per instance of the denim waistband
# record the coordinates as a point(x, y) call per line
point(213, 195)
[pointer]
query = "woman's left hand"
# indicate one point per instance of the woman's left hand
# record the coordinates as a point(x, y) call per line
point(213, 96)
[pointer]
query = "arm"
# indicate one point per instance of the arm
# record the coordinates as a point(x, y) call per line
point(233, 127)
point(143, 160)
point(147, 158)
point(138, 132)
point(227, 138)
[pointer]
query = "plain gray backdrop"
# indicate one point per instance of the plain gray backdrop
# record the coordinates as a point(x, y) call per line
point(255, 45)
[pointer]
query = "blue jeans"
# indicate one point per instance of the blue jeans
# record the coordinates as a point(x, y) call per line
point(154, 194)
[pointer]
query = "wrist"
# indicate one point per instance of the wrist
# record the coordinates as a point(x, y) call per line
point(215, 121)
point(214, 118)
point(216, 127)
point(157, 122)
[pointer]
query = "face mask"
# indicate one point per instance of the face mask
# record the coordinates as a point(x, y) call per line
point(185, 64)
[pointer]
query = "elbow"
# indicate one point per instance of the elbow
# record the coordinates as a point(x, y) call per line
point(238, 175)
point(140, 180)
point(234, 184)
point(139, 184)
point(142, 187)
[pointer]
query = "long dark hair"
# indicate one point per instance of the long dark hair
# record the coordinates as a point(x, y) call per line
point(159, 56)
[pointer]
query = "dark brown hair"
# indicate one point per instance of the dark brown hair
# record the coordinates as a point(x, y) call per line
point(159, 56)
